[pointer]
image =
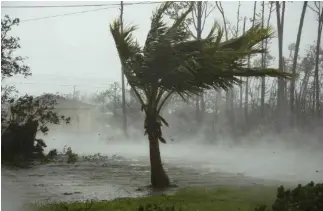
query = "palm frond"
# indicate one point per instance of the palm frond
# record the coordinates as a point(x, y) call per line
point(127, 47)
point(157, 27)
point(252, 37)
point(171, 63)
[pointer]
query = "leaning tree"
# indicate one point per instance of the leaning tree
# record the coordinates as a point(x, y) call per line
point(171, 63)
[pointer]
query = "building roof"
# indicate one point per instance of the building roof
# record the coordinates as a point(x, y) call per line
point(64, 103)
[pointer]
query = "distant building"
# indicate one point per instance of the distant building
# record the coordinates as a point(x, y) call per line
point(83, 115)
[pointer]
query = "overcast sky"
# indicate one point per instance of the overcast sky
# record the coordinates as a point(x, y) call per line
point(79, 49)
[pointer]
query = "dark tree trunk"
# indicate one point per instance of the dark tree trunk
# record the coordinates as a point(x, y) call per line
point(199, 98)
point(316, 73)
point(247, 79)
point(280, 91)
point(159, 178)
point(292, 85)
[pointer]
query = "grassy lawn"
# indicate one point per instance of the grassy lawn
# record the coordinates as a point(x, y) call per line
point(219, 199)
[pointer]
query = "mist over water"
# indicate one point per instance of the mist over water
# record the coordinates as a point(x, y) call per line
point(290, 158)
point(258, 160)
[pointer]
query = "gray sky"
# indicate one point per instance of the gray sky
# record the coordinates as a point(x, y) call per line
point(79, 49)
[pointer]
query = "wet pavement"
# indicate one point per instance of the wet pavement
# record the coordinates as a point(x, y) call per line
point(105, 180)
point(128, 175)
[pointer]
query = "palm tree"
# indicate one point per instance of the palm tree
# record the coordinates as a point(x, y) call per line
point(170, 63)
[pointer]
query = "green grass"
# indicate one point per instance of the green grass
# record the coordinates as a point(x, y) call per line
point(219, 199)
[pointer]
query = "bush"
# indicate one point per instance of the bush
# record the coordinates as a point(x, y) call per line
point(71, 157)
point(302, 198)
point(52, 154)
point(66, 155)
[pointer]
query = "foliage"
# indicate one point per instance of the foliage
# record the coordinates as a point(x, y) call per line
point(11, 64)
point(110, 98)
point(66, 155)
point(52, 154)
point(24, 118)
point(301, 198)
point(71, 157)
point(95, 157)
point(33, 109)
point(40, 109)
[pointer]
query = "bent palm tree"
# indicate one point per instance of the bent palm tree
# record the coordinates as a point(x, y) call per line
point(169, 63)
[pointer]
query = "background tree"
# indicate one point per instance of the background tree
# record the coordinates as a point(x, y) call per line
point(194, 24)
point(280, 13)
point(169, 63)
point(23, 117)
point(298, 41)
point(247, 79)
point(264, 56)
point(11, 64)
point(319, 11)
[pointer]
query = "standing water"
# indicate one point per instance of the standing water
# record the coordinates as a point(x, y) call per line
point(125, 169)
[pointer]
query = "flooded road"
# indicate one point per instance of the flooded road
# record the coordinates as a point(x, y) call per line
point(105, 180)
point(127, 174)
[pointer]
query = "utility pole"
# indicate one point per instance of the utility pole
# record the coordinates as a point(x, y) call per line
point(124, 111)
point(74, 92)
point(199, 34)
point(115, 99)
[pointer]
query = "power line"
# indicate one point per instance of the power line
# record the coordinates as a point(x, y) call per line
point(55, 6)
point(79, 12)
point(65, 14)
point(73, 6)
point(61, 85)
point(57, 77)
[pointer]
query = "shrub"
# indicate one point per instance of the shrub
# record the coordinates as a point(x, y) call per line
point(302, 198)
point(52, 154)
point(71, 157)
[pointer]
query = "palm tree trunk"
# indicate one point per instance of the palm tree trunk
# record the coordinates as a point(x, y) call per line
point(158, 176)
